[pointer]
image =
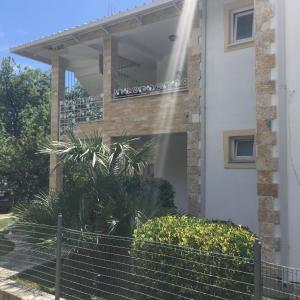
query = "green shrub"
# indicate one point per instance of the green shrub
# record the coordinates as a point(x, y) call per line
point(114, 204)
point(194, 258)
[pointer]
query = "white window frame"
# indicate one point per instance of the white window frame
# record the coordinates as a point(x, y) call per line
point(234, 158)
point(233, 20)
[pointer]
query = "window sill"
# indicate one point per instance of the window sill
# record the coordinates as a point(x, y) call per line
point(238, 46)
point(240, 165)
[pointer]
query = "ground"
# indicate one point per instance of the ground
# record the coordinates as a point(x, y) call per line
point(4, 220)
point(5, 245)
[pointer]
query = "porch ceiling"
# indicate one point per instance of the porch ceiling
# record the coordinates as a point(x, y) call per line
point(85, 42)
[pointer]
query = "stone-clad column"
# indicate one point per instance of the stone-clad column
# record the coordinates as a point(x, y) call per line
point(110, 67)
point(266, 113)
point(110, 75)
point(193, 126)
point(57, 95)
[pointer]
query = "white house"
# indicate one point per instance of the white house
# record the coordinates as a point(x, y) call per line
point(215, 82)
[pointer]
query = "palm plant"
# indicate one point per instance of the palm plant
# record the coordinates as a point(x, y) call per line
point(105, 189)
point(91, 153)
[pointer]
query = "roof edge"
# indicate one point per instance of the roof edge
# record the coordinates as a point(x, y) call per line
point(86, 27)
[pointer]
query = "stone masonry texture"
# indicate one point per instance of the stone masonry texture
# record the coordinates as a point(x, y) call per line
point(266, 112)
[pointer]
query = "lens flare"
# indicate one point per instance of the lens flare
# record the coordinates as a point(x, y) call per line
point(176, 68)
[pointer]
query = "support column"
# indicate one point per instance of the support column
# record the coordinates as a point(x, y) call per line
point(57, 95)
point(193, 126)
point(110, 67)
point(266, 138)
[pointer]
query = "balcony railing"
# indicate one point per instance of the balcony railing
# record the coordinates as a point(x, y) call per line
point(81, 109)
point(152, 89)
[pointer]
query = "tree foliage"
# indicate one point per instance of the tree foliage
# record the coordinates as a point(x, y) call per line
point(24, 125)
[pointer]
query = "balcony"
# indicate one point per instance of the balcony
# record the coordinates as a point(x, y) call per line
point(152, 89)
point(81, 109)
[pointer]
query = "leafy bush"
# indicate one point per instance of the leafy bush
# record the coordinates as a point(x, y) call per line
point(193, 257)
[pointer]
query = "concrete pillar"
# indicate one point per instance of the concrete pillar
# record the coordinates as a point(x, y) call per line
point(57, 95)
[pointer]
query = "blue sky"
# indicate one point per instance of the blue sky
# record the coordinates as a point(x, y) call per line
point(25, 20)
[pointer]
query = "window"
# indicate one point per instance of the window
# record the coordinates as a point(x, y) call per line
point(239, 25)
point(242, 149)
point(239, 149)
point(242, 23)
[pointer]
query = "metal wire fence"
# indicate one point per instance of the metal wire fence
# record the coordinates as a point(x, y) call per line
point(82, 265)
point(280, 282)
point(27, 254)
point(113, 268)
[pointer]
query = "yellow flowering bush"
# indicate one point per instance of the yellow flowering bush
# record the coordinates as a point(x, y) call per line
point(193, 258)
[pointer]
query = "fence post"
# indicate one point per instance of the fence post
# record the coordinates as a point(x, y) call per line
point(58, 257)
point(257, 271)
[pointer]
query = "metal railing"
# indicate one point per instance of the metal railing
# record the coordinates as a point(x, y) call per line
point(151, 89)
point(83, 265)
point(81, 109)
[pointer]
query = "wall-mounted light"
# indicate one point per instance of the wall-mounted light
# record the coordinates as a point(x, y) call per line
point(172, 38)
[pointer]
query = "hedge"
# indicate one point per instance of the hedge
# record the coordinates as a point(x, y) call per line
point(193, 258)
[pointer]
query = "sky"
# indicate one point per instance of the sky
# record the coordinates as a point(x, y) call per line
point(22, 21)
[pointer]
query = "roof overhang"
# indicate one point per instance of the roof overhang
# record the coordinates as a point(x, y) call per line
point(71, 36)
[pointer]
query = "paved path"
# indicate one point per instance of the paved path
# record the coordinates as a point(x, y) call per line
point(11, 288)
point(23, 257)
point(5, 216)
point(19, 260)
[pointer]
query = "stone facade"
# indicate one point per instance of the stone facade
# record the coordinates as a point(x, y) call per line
point(266, 139)
point(193, 113)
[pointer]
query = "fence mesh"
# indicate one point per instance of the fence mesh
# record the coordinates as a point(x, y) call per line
point(97, 266)
point(27, 254)
point(117, 268)
point(280, 282)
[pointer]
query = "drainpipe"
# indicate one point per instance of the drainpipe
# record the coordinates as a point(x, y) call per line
point(282, 133)
point(203, 109)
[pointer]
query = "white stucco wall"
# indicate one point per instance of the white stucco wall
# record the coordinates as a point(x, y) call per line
point(293, 127)
point(230, 193)
point(137, 76)
point(162, 70)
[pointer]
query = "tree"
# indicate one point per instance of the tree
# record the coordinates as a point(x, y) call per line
point(24, 126)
